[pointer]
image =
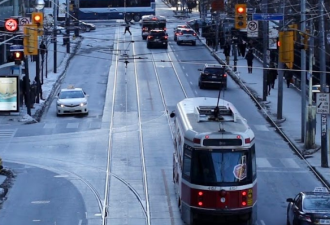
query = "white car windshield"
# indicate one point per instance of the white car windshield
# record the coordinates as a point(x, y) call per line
point(71, 94)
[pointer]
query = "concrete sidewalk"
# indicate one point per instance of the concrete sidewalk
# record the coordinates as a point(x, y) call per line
point(289, 126)
point(50, 83)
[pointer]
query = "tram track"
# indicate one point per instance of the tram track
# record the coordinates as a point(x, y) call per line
point(143, 202)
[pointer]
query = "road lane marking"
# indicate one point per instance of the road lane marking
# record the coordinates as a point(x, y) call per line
point(50, 125)
point(262, 162)
point(262, 222)
point(40, 202)
point(60, 176)
point(187, 74)
point(289, 163)
point(72, 125)
point(261, 127)
point(80, 222)
point(183, 67)
point(283, 171)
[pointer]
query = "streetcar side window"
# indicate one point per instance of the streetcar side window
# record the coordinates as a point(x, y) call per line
point(186, 163)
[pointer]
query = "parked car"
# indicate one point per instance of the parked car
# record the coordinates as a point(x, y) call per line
point(186, 35)
point(83, 26)
point(157, 38)
point(213, 75)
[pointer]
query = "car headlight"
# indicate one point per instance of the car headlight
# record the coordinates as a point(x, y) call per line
point(83, 103)
point(60, 105)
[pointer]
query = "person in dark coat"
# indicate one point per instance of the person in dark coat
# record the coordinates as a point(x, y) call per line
point(271, 77)
point(242, 47)
point(226, 51)
point(288, 74)
point(127, 29)
point(249, 58)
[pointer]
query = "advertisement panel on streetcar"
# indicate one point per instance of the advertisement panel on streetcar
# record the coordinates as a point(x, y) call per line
point(214, 164)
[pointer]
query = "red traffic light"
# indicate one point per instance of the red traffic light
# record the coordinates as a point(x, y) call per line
point(18, 55)
point(37, 18)
point(240, 10)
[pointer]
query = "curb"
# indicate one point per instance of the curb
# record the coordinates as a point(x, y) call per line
point(38, 114)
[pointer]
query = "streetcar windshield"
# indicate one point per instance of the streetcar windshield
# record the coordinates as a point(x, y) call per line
point(210, 167)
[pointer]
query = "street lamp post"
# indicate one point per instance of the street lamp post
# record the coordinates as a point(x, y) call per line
point(40, 4)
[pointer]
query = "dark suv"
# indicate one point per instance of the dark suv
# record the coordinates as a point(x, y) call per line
point(213, 75)
point(157, 38)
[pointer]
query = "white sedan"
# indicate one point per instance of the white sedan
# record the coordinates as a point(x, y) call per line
point(72, 101)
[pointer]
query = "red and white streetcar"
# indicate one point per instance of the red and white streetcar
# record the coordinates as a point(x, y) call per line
point(214, 164)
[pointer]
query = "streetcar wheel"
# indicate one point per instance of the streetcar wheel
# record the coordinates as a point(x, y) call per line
point(137, 18)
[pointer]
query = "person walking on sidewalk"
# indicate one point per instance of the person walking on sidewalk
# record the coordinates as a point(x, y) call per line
point(226, 51)
point(249, 58)
point(288, 74)
point(271, 77)
point(127, 29)
point(273, 72)
point(242, 47)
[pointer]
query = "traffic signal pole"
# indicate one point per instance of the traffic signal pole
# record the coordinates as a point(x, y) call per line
point(265, 48)
point(324, 117)
point(55, 35)
point(27, 87)
point(67, 24)
point(303, 72)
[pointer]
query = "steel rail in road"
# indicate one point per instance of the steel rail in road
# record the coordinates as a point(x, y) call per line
point(144, 203)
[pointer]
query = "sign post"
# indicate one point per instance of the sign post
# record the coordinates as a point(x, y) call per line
point(322, 107)
point(252, 29)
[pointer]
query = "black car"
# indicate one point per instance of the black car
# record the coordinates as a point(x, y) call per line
point(157, 38)
point(309, 208)
point(213, 75)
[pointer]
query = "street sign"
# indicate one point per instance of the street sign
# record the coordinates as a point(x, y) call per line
point(252, 29)
point(11, 25)
point(267, 16)
point(22, 22)
point(322, 103)
point(16, 48)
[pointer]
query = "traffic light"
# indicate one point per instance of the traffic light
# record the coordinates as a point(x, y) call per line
point(294, 28)
point(37, 18)
point(286, 46)
point(18, 57)
point(240, 16)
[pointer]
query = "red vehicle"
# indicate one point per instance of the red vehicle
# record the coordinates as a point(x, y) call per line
point(214, 163)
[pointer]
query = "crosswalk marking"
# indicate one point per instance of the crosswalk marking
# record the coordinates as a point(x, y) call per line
point(289, 163)
point(277, 163)
point(72, 125)
point(261, 127)
point(50, 125)
point(6, 134)
point(263, 162)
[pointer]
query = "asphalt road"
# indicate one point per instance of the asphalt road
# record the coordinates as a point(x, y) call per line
point(119, 160)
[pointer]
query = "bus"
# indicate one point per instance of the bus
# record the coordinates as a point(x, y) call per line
point(151, 22)
point(102, 9)
point(214, 163)
point(115, 9)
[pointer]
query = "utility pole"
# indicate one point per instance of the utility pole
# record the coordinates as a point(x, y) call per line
point(303, 71)
point(27, 87)
point(324, 117)
point(67, 23)
point(55, 34)
point(311, 110)
point(16, 7)
point(265, 48)
point(217, 31)
point(280, 77)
